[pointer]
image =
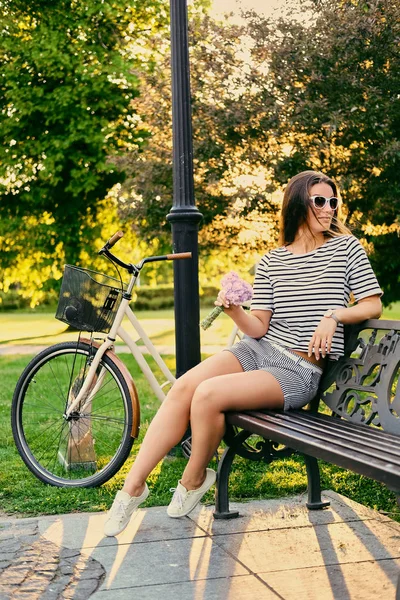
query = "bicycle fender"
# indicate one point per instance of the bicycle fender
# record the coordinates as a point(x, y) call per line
point(129, 382)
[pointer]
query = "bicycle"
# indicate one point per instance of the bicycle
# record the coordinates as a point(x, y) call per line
point(75, 410)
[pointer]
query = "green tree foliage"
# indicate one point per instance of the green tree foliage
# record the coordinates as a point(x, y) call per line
point(270, 99)
point(336, 82)
point(68, 77)
point(228, 186)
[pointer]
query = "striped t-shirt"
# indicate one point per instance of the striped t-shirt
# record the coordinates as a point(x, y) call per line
point(299, 289)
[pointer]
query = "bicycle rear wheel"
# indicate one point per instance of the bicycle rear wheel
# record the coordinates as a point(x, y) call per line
point(88, 448)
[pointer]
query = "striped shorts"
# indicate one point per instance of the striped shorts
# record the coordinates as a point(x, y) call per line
point(298, 377)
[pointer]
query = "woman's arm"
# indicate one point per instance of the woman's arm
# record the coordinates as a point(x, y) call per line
point(254, 324)
point(321, 341)
point(367, 308)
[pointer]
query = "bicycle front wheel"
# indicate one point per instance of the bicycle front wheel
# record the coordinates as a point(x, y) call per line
point(88, 447)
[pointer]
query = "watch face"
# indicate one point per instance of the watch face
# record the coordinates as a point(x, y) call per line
point(328, 313)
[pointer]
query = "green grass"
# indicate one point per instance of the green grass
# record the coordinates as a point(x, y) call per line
point(21, 493)
point(41, 328)
point(392, 311)
point(31, 328)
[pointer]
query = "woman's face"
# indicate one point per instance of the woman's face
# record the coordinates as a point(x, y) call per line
point(319, 219)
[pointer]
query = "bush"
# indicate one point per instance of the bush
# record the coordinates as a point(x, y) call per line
point(162, 296)
point(154, 298)
point(208, 295)
point(147, 298)
point(12, 301)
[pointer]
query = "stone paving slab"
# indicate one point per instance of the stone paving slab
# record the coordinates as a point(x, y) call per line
point(277, 549)
point(281, 513)
point(85, 530)
point(295, 548)
point(171, 561)
point(32, 568)
point(356, 581)
point(245, 587)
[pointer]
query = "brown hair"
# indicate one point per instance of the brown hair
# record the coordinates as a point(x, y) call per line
point(296, 203)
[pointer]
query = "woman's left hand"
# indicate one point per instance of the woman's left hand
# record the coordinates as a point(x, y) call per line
point(321, 341)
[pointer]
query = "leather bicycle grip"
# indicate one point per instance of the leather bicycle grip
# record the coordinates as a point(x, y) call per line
point(115, 238)
point(179, 255)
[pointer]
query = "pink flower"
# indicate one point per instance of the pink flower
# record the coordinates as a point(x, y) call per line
point(237, 291)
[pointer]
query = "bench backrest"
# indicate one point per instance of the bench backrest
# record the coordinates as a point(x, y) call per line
point(362, 386)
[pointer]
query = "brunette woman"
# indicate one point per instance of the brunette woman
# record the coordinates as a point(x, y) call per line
point(299, 307)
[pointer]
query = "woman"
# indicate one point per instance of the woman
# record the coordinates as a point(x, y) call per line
point(299, 307)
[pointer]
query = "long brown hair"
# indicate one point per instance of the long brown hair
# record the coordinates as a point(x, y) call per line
point(296, 203)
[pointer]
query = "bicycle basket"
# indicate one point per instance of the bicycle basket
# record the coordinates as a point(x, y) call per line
point(88, 300)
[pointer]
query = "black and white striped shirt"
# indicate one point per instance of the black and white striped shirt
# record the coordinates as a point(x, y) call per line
point(299, 288)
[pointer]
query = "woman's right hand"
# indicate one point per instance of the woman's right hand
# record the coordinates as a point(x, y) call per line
point(222, 300)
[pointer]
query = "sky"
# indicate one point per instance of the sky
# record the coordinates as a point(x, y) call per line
point(266, 7)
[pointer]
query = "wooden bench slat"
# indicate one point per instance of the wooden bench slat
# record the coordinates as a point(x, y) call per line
point(318, 428)
point(361, 435)
point(373, 433)
point(325, 449)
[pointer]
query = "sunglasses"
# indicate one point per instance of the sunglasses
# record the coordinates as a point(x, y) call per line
point(320, 202)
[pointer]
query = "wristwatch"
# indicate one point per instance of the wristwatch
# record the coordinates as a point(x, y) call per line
point(330, 313)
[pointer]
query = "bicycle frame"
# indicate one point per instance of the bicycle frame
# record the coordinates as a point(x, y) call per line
point(118, 331)
point(90, 447)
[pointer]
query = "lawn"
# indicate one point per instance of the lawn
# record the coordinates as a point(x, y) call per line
point(22, 494)
point(41, 328)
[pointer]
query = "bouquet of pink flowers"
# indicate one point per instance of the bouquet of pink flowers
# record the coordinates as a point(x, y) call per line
point(237, 291)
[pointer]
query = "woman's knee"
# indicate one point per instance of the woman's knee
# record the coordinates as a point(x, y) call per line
point(205, 398)
point(182, 390)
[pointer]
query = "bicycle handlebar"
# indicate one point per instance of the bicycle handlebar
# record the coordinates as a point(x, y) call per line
point(136, 268)
point(179, 255)
point(176, 256)
point(114, 239)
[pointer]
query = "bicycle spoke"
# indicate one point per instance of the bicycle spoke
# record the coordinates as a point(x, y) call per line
point(88, 448)
point(39, 412)
point(59, 445)
point(48, 444)
point(103, 418)
point(43, 432)
point(44, 401)
point(61, 396)
point(102, 392)
point(98, 408)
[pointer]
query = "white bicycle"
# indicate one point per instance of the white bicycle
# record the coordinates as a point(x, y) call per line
point(75, 410)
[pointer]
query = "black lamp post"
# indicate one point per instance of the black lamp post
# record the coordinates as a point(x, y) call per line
point(184, 216)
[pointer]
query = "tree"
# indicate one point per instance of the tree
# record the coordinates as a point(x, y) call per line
point(68, 76)
point(320, 94)
point(335, 82)
point(228, 187)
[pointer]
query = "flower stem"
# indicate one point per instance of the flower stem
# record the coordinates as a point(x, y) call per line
point(210, 318)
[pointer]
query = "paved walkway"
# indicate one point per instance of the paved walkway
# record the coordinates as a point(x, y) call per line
point(277, 550)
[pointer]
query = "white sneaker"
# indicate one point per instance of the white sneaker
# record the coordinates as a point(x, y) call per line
point(184, 501)
point(121, 511)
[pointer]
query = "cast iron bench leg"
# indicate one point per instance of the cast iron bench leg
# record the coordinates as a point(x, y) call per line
point(222, 493)
point(314, 485)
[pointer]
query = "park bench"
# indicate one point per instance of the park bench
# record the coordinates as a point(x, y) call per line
point(354, 422)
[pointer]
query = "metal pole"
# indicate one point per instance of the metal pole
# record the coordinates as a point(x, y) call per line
point(184, 216)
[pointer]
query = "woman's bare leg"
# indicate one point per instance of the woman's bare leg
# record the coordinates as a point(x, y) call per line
point(244, 391)
point(171, 421)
